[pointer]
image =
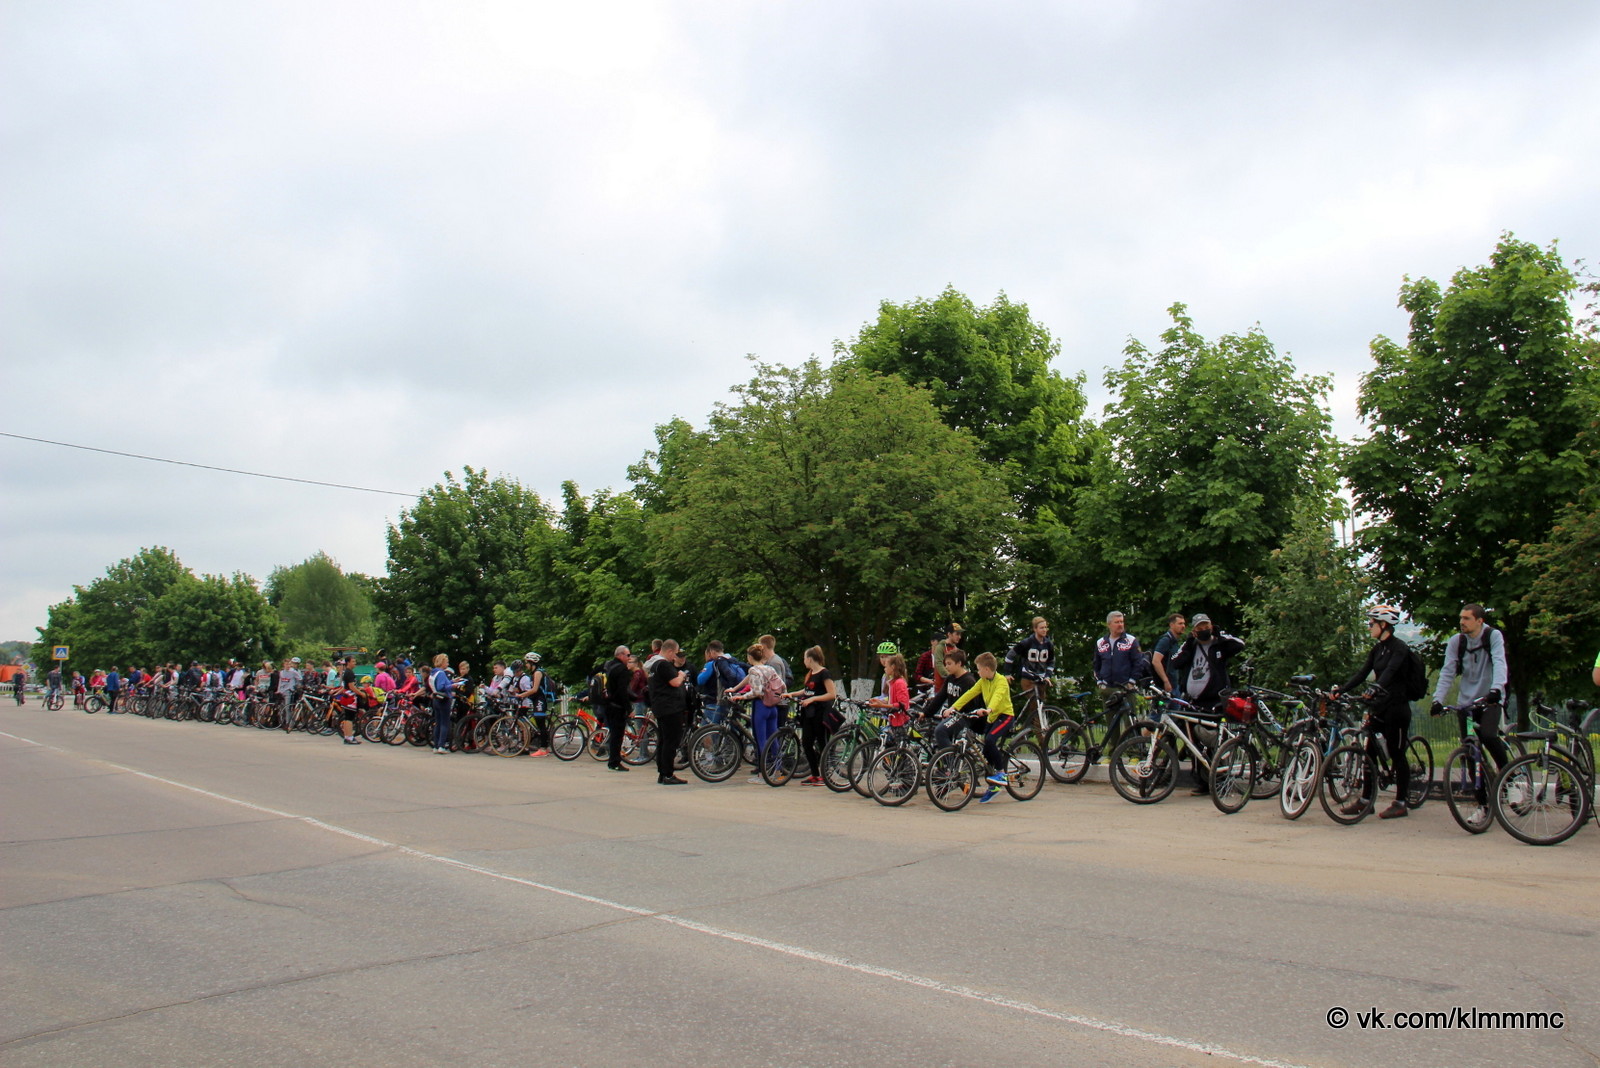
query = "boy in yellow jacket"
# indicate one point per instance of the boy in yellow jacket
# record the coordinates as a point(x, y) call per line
point(994, 690)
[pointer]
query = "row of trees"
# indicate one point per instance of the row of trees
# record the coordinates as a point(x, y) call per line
point(150, 608)
point(938, 469)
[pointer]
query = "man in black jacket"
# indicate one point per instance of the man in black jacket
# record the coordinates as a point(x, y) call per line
point(618, 676)
point(668, 700)
point(1386, 664)
point(1202, 664)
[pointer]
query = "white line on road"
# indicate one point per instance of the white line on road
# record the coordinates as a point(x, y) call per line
point(814, 956)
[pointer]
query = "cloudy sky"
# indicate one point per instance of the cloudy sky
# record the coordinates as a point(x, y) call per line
point(369, 242)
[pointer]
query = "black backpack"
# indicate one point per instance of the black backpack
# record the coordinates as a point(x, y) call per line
point(1414, 683)
point(1461, 646)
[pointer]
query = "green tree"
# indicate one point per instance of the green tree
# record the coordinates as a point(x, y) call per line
point(451, 561)
point(989, 372)
point(211, 618)
point(834, 502)
point(1211, 450)
point(1307, 616)
point(319, 603)
point(1473, 445)
point(103, 624)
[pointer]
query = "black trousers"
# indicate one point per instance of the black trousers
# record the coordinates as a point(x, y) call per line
point(669, 735)
point(616, 726)
point(1488, 733)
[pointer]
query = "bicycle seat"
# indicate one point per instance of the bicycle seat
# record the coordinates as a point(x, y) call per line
point(1302, 680)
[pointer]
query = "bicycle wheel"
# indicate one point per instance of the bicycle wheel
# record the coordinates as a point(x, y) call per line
point(1066, 751)
point(836, 756)
point(568, 738)
point(1348, 785)
point(780, 757)
point(1025, 769)
point(893, 776)
point(1233, 775)
point(1144, 770)
point(857, 768)
point(509, 736)
point(713, 753)
point(371, 727)
point(952, 779)
point(1420, 756)
point(1299, 786)
point(54, 702)
point(1540, 799)
point(94, 703)
point(639, 742)
point(1466, 790)
point(599, 744)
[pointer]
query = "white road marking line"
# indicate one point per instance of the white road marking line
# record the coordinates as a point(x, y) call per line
point(861, 968)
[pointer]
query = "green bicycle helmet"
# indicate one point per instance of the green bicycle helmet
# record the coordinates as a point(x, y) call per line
point(888, 649)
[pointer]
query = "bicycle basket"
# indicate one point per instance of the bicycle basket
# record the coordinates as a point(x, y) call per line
point(1241, 708)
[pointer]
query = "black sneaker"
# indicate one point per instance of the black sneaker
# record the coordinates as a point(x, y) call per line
point(617, 767)
point(352, 741)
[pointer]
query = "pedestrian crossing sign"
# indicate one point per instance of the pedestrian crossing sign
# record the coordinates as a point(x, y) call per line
point(60, 653)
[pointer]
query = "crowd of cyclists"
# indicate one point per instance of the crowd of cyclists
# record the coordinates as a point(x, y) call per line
point(961, 727)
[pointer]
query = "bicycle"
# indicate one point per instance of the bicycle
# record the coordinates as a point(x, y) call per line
point(1307, 743)
point(1361, 766)
point(1542, 798)
point(845, 749)
point(1144, 765)
point(54, 701)
point(1467, 779)
point(1099, 732)
point(1051, 728)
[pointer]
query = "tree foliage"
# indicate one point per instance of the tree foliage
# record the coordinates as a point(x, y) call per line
point(1307, 615)
point(1563, 602)
point(451, 561)
point(837, 503)
point(1212, 448)
point(319, 603)
point(104, 624)
point(1473, 443)
point(211, 618)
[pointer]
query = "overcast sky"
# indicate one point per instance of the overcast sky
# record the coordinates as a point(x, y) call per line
point(371, 242)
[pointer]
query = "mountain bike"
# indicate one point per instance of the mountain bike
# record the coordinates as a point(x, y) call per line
point(1100, 731)
point(1144, 765)
point(1361, 766)
point(1468, 776)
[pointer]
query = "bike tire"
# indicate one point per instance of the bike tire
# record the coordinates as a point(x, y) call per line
point(1144, 770)
point(1067, 748)
point(952, 779)
point(1026, 769)
point(1233, 775)
point(1299, 787)
point(714, 753)
point(836, 756)
point(1541, 799)
point(1464, 779)
point(639, 742)
point(568, 738)
point(780, 757)
point(94, 703)
point(1420, 756)
point(1272, 754)
point(54, 702)
point(893, 776)
point(1347, 787)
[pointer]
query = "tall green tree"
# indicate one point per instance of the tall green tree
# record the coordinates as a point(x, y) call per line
point(836, 503)
point(1475, 421)
point(103, 624)
point(989, 371)
point(211, 618)
point(319, 603)
point(1212, 448)
point(451, 561)
point(1307, 615)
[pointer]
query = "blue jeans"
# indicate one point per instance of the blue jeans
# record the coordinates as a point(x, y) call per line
point(764, 718)
point(441, 720)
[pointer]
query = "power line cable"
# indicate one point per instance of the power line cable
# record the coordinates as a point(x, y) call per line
point(208, 467)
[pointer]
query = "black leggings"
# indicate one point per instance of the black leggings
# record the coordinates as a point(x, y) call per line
point(813, 735)
point(1395, 733)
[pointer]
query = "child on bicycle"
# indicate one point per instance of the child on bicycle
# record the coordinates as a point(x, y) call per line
point(957, 680)
point(994, 690)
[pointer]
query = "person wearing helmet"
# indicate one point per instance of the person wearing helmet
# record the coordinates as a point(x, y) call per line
point(530, 690)
point(1386, 664)
point(896, 691)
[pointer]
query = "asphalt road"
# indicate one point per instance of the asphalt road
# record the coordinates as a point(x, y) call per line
point(186, 894)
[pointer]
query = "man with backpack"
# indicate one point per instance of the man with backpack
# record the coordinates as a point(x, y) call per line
point(1476, 659)
point(720, 674)
point(1394, 668)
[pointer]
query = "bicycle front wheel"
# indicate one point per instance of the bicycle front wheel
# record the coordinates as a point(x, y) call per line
point(568, 737)
point(1144, 770)
point(94, 703)
point(1233, 775)
point(713, 753)
point(952, 779)
point(780, 757)
point(1066, 751)
point(1466, 790)
point(836, 759)
point(1299, 786)
point(892, 777)
point(1540, 799)
point(1348, 785)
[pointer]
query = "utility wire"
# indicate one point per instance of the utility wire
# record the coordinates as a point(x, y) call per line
point(207, 467)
